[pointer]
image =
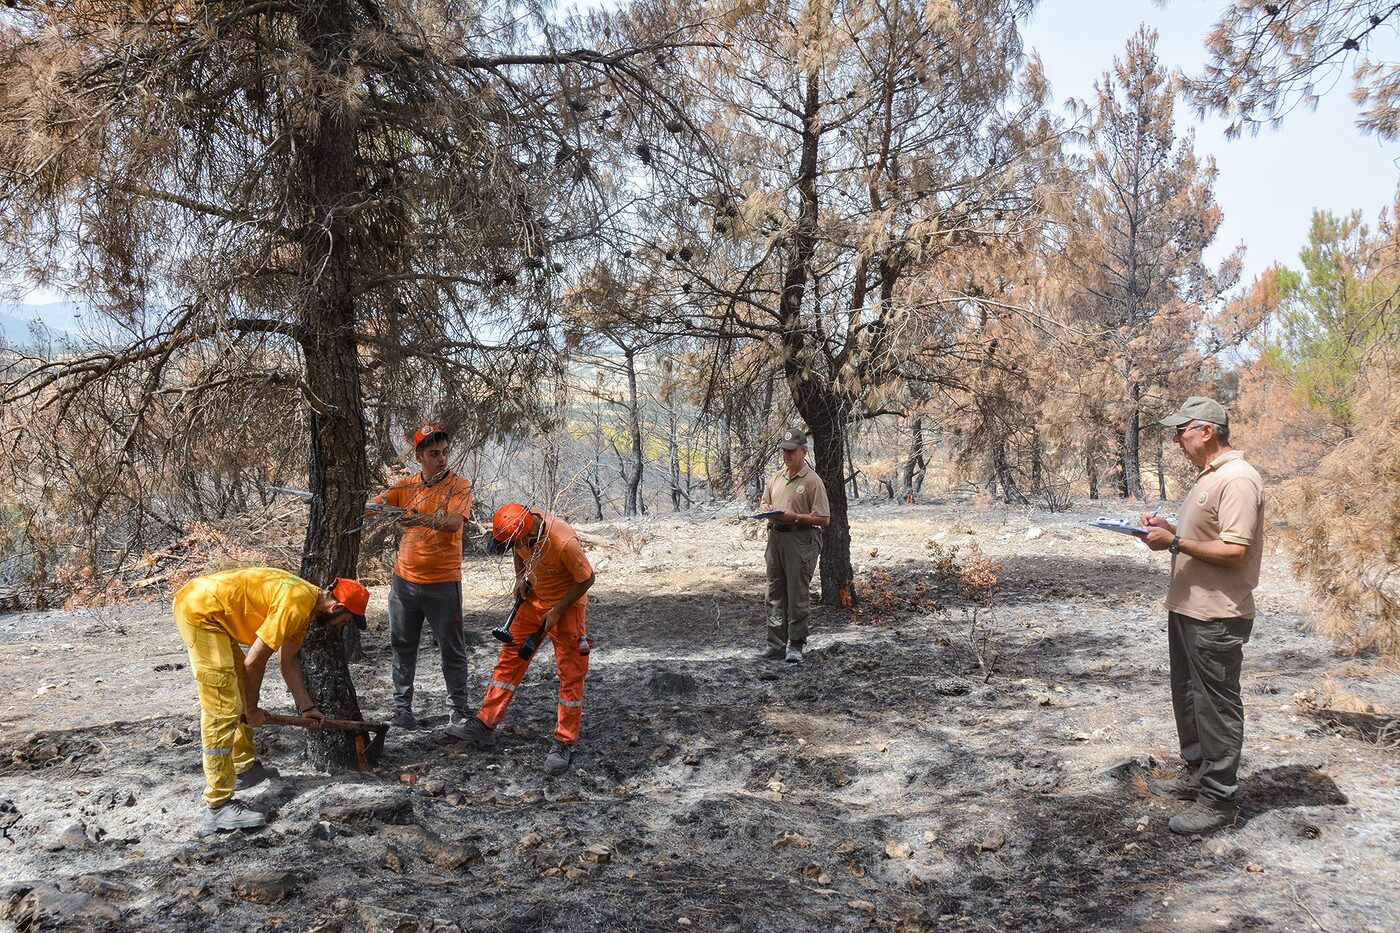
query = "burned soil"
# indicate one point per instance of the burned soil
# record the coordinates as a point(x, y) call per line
point(886, 782)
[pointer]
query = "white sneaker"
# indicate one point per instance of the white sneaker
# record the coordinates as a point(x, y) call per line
point(232, 815)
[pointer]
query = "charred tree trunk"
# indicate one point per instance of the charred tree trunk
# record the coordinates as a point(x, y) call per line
point(829, 441)
point(673, 448)
point(915, 466)
point(1092, 472)
point(1161, 471)
point(339, 470)
point(1132, 444)
point(634, 433)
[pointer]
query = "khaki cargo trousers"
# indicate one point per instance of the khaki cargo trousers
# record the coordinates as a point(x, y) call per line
point(791, 558)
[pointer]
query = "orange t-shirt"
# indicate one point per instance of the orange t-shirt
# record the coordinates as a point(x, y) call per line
point(427, 555)
point(555, 563)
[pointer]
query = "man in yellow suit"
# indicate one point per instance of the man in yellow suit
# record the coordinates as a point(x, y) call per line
point(269, 610)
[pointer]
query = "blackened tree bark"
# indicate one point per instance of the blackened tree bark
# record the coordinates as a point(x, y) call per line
point(1132, 446)
point(915, 466)
point(339, 472)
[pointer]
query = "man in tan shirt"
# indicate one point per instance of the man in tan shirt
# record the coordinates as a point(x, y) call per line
point(798, 495)
point(1216, 547)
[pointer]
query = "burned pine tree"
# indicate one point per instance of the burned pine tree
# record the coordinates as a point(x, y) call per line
point(297, 195)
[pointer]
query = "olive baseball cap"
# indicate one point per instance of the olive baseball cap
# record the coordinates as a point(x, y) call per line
point(793, 438)
point(1197, 408)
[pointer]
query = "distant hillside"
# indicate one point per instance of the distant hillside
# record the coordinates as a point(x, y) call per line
point(17, 320)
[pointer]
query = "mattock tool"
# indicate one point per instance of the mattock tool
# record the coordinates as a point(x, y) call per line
point(369, 736)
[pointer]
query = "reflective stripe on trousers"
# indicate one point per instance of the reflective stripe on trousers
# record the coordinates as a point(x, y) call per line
point(227, 743)
point(571, 664)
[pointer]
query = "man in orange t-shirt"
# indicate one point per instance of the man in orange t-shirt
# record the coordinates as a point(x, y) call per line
point(552, 577)
point(427, 581)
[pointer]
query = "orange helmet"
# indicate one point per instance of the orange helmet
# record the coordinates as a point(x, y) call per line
point(511, 523)
point(353, 596)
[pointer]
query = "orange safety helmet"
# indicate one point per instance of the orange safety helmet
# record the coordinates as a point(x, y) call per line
point(512, 523)
point(353, 596)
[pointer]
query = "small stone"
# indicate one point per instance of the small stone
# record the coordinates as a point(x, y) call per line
point(171, 736)
point(376, 919)
point(265, 887)
point(792, 840)
point(1254, 867)
point(1131, 847)
point(408, 778)
point(897, 849)
point(1044, 699)
point(1033, 533)
point(840, 778)
point(856, 869)
point(597, 854)
point(432, 788)
point(874, 552)
point(529, 841)
point(862, 905)
point(992, 842)
point(846, 848)
point(574, 873)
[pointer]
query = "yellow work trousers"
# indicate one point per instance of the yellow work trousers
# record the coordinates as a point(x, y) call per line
point(228, 744)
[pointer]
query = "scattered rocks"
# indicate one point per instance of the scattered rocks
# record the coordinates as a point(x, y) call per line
point(792, 840)
point(171, 736)
point(597, 854)
point(104, 888)
point(381, 920)
point(897, 849)
point(367, 814)
point(43, 906)
point(449, 855)
point(267, 887)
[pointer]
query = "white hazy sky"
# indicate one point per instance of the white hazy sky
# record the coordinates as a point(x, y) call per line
point(1269, 183)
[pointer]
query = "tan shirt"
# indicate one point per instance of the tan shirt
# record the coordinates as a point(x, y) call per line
point(1226, 504)
point(804, 493)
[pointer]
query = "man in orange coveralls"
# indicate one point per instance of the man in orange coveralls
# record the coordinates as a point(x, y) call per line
point(269, 610)
point(427, 581)
point(552, 577)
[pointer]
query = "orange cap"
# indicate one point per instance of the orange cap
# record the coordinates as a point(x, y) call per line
point(511, 523)
point(428, 432)
point(353, 596)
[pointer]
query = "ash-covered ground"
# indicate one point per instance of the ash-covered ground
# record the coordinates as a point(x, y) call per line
point(884, 783)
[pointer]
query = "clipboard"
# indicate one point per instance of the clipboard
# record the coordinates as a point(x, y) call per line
point(771, 513)
point(1121, 525)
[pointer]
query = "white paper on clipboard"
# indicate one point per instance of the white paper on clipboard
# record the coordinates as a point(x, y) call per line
point(1123, 526)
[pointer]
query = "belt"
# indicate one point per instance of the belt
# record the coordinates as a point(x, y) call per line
point(785, 528)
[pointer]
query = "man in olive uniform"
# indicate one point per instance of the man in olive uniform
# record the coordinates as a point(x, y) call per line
point(798, 494)
point(1217, 545)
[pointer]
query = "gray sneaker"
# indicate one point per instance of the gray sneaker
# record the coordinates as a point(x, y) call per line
point(1202, 818)
point(794, 654)
point(472, 731)
point(404, 719)
point(459, 726)
point(1177, 788)
point(255, 775)
point(560, 756)
point(771, 654)
point(232, 815)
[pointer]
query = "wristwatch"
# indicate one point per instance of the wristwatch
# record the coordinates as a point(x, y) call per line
point(1175, 546)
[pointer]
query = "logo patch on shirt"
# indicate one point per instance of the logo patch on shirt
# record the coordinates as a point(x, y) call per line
point(801, 490)
point(1201, 499)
